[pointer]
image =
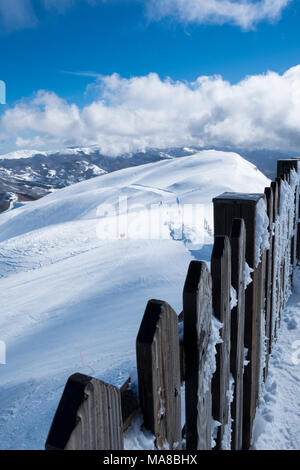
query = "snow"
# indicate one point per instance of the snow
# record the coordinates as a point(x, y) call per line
point(277, 420)
point(204, 382)
point(284, 229)
point(137, 438)
point(247, 275)
point(214, 432)
point(28, 153)
point(246, 361)
point(263, 352)
point(262, 231)
point(73, 302)
point(233, 298)
point(21, 154)
point(210, 364)
point(226, 441)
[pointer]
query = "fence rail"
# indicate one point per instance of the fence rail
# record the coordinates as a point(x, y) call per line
point(230, 323)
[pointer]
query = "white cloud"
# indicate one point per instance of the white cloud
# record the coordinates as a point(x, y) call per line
point(244, 13)
point(261, 111)
point(15, 14)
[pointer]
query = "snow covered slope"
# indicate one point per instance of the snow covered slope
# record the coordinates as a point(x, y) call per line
point(30, 174)
point(73, 298)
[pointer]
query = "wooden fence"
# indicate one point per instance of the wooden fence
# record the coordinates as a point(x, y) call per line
point(218, 348)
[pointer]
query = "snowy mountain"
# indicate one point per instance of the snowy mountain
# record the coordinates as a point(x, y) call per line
point(27, 175)
point(78, 266)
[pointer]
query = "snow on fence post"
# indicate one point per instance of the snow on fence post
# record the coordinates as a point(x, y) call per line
point(197, 314)
point(280, 255)
point(297, 221)
point(88, 417)
point(221, 383)
point(269, 276)
point(227, 207)
point(289, 170)
point(287, 212)
point(159, 378)
point(238, 281)
point(285, 166)
point(275, 254)
point(297, 216)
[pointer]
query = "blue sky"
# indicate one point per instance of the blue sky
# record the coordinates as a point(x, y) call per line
point(43, 47)
point(118, 37)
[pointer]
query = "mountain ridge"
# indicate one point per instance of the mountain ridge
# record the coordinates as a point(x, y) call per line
point(26, 175)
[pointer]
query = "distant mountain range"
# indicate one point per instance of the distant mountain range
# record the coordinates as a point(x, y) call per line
point(27, 175)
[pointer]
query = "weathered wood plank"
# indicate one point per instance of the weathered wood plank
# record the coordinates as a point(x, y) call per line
point(238, 258)
point(227, 207)
point(158, 362)
point(221, 282)
point(197, 308)
point(88, 417)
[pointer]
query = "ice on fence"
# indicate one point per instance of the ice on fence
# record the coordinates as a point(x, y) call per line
point(246, 361)
point(263, 351)
point(262, 231)
point(210, 364)
point(247, 275)
point(233, 298)
point(214, 431)
point(226, 441)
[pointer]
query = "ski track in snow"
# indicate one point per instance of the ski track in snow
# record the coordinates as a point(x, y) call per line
point(278, 417)
point(159, 191)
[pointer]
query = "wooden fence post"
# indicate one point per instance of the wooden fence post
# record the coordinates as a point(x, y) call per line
point(227, 207)
point(221, 282)
point(287, 244)
point(297, 229)
point(158, 363)
point(297, 219)
point(280, 268)
point(89, 417)
point(284, 168)
point(275, 286)
point(238, 258)
point(269, 276)
point(197, 311)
